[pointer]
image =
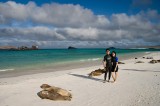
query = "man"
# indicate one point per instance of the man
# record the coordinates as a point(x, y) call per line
point(107, 63)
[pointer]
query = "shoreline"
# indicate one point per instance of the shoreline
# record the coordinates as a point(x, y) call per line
point(65, 66)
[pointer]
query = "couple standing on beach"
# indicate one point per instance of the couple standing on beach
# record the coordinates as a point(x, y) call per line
point(110, 63)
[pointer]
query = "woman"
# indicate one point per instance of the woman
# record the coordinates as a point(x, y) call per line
point(114, 66)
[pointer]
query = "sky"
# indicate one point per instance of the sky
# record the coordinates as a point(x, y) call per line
point(80, 23)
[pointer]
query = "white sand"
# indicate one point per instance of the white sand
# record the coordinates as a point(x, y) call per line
point(137, 85)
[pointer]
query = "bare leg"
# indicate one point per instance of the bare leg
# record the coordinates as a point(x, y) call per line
point(116, 75)
point(113, 75)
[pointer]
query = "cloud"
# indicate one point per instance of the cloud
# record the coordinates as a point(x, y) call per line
point(33, 33)
point(62, 25)
point(58, 15)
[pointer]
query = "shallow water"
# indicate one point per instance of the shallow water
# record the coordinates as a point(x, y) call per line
point(41, 59)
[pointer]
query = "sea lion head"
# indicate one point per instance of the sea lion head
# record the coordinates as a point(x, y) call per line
point(43, 86)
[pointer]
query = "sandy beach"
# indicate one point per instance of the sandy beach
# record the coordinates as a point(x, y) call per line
point(137, 85)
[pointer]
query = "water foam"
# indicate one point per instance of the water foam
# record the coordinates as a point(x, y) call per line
point(92, 59)
point(6, 69)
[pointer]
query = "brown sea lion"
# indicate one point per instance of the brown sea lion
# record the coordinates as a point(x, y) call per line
point(58, 90)
point(54, 93)
point(153, 61)
point(158, 61)
point(149, 58)
point(52, 96)
point(43, 86)
point(120, 62)
point(139, 62)
point(97, 72)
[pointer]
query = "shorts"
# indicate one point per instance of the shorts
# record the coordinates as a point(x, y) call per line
point(114, 68)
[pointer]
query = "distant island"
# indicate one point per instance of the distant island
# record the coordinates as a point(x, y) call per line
point(7, 47)
point(150, 47)
point(111, 48)
point(21, 48)
point(70, 47)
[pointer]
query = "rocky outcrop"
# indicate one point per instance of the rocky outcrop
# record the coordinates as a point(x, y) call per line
point(22, 48)
point(111, 48)
point(7, 47)
point(70, 47)
point(34, 47)
point(27, 48)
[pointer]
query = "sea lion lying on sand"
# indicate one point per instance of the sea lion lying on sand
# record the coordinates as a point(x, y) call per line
point(120, 62)
point(97, 72)
point(139, 62)
point(158, 61)
point(54, 93)
point(149, 58)
point(154, 61)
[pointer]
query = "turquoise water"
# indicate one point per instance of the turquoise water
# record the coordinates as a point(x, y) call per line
point(13, 60)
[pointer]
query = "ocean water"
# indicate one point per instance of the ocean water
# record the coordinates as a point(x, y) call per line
point(18, 60)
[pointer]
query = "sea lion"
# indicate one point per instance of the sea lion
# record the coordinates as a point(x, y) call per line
point(149, 58)
point(120, 62)
point(97, 72)
point(43, 86)
point(153, 61)
point(53, 89)
point(54, 93)
point(52, 96)
point(139, 62)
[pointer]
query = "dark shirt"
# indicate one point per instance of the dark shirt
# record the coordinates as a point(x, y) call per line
point(114, 60)
point(108, 60)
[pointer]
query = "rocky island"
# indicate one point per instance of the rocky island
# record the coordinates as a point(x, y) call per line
point(70, 47)
point(21, 48)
